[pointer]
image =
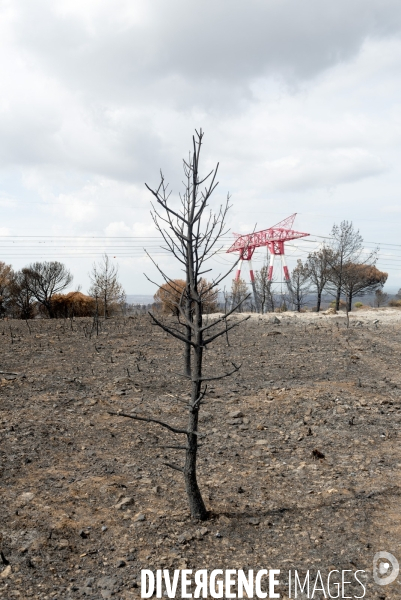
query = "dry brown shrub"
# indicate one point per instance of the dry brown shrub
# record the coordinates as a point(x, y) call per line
point(73, 304)
point(169, 296)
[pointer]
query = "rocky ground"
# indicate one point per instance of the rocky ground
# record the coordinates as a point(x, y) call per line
point(299, 465)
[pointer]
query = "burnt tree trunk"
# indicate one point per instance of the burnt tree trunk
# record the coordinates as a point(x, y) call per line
point(194, 308)
point(196, 505)
point(188, 334)
point(318, 300)
point(338, 297)
point(349, 302)
point(48, 304)
point(339, 270)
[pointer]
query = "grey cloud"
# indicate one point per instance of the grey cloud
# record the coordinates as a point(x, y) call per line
point(104, 80)
point(208, 43)
point(329, 170)
point(37, 134)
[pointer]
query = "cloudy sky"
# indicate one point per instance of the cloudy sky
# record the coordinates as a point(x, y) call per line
point(300, 103)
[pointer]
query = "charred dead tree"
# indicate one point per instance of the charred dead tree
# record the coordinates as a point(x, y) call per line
point(44, 280)
point(105, 285)
point(318, 268)
point(300, 285)
point(191, 232)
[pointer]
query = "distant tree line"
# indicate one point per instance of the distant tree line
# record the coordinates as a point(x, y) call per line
point(339, 268)
point(36, 290)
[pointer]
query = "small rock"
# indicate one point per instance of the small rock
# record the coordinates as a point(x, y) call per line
point(89, 582)
point(83, 534)
point(25, 498)
point(6, 572)
point(85, 591)
point(122, 380)
point(261, 442)
point(236, 414)
point(139, 517)
point(120, 564)
point(218, 535)
point(104, 528)
point(205, 416)
point(274, 321)
point(185, 537)
point(253, 521)
point(157, 489)
point(108, 583)
point(200, 533)
point(124, 503)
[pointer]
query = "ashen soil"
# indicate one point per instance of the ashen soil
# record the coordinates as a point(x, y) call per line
point(299, 464)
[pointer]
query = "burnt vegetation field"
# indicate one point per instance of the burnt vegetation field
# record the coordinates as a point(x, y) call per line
point(298, 461)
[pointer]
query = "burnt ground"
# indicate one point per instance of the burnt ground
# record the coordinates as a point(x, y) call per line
point(86, 501)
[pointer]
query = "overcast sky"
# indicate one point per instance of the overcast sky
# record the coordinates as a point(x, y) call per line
point(300, 103)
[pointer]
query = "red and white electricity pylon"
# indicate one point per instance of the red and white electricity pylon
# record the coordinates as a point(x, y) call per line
point(274, 239)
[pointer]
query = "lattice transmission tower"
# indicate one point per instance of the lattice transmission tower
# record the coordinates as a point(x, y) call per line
point(274, 238)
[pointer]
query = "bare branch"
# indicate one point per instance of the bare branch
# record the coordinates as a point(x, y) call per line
point(170, 331)
point(174, 467)
point(224, 331)
point(224, 375)
point(163, 203)
point(225, 317)
point(150, 420)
